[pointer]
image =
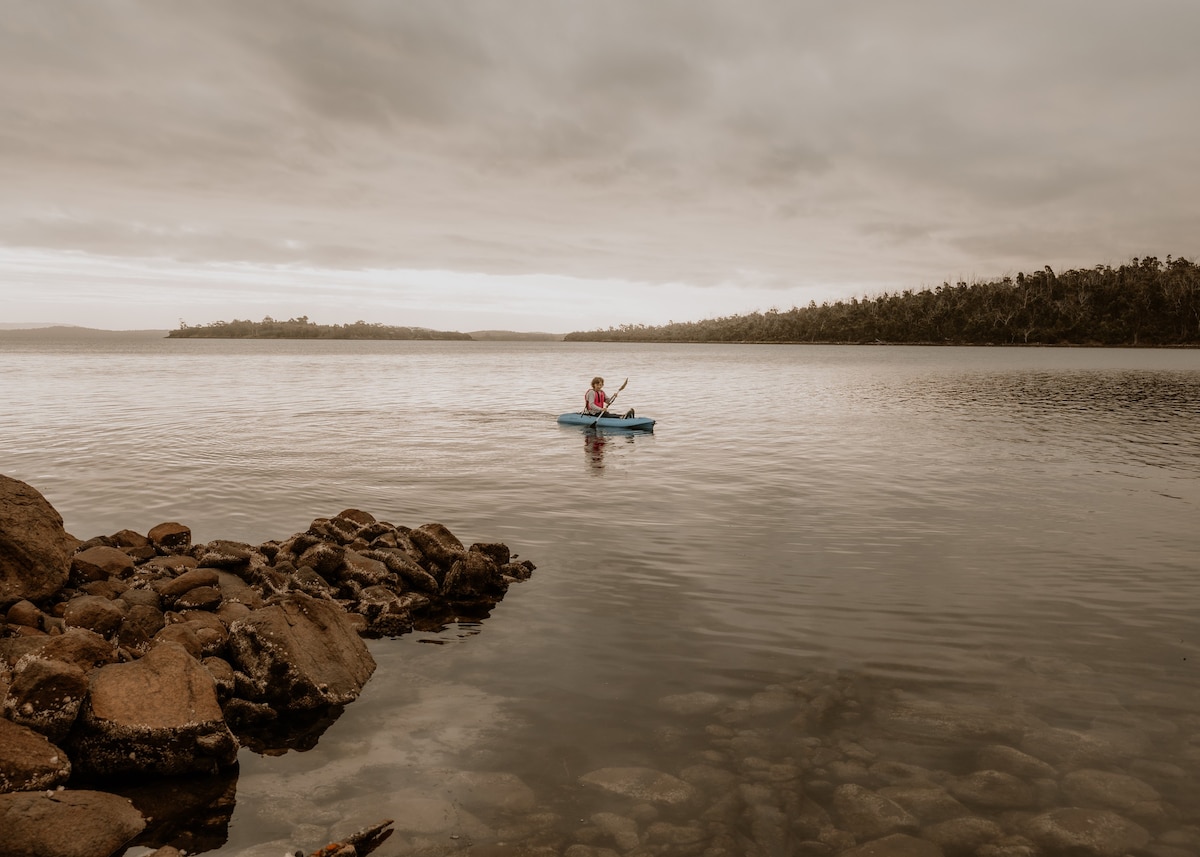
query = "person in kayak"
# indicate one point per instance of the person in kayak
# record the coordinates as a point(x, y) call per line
point(595, 402)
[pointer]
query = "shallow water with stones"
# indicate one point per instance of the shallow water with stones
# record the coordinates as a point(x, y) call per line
point(831, 575)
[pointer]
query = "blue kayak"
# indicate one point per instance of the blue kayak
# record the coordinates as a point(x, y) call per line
point(577, 419)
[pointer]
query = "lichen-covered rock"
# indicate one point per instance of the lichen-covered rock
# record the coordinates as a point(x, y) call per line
point(224, 554)
point(158, 714)
point(35, 550)
point(29, 760)
point(323, 558)
point(45, 695)
point(438, 544)
point(86, 649)
point(301, 653)
point(73, 823)
point(475, 577)
point(364, 570)
point(404, 567)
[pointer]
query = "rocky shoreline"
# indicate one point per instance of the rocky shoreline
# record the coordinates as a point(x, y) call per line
point(129, 657)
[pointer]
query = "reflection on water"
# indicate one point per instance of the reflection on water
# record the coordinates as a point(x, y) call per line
point(850, 536)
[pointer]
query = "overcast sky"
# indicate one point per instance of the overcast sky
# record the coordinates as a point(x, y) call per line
point(561, 165)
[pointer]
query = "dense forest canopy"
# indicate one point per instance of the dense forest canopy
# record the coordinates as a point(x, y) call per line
point(1144, 302)
point(302, 328)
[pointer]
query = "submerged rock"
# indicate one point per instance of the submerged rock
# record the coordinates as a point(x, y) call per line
point(642, 784)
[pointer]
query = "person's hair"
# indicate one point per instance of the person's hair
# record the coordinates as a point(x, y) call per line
point(597, 380)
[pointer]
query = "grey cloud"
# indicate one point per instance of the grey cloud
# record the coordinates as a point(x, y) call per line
point(692, 139)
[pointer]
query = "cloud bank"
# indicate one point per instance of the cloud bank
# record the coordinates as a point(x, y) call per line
point(571, 161)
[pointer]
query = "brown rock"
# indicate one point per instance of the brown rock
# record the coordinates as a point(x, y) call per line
point(364, 570)
point(86, 649)
point(110, 588)
point(301, 653)
point(29, 761)
point(129, 539)
point(497, 551)
point(475, 577)
point(357, 516)
point(402, 565)
point(200, 598)
point(141, 597)
point(35, 550)
point(140, 625)
point(184, 635)
point(234, 589)
point(175, 587)
point(225, 554)
point(155, 715)
point(45, 695)
point(95, 613)
point(174, 562)
point(170, 537)
point(25, 613)
point(324, 559)
point(73, 823)
point(99, 563)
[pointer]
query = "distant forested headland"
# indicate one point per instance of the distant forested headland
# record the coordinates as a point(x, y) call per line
point(302, 328)
point(1145, 302)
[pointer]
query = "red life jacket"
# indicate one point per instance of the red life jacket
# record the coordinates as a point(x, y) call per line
point(599, 403)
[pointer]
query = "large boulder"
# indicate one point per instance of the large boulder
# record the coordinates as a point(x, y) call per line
point(301, 653)
point(67, 823)
point(35, 550)
point(158, 714)
point(28, 761)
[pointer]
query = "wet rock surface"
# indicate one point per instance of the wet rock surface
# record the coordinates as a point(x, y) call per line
point(132, 657)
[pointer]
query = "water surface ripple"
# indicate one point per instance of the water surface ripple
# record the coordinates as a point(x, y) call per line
point(919, 518)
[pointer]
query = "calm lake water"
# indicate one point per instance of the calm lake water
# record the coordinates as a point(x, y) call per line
point(953, 523)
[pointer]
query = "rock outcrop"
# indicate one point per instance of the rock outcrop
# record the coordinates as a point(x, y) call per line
point(131, 656)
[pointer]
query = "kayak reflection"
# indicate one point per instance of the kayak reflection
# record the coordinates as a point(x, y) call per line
point(596, 441)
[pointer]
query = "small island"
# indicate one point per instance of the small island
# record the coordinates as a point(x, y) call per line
point(302, 328)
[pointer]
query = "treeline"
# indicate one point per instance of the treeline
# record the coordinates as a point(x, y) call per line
point(1145, 302)
point(302, 328)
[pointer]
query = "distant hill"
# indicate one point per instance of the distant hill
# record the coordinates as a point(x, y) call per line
point(30, 325)
point(69, 331)
point(516, 335)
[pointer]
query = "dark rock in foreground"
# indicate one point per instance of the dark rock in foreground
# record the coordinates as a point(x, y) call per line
point(129, 656)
